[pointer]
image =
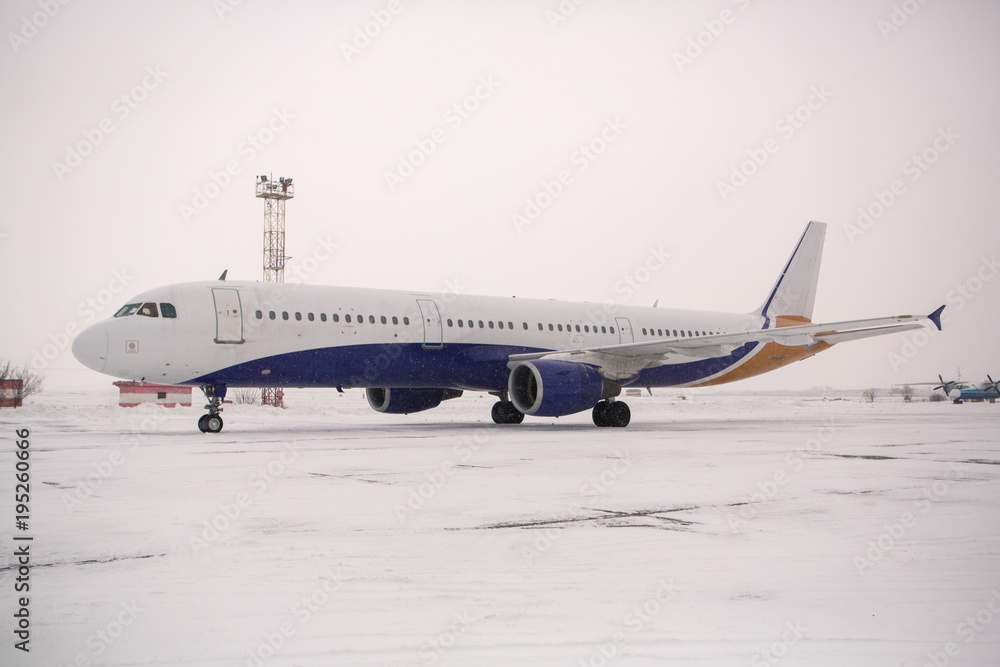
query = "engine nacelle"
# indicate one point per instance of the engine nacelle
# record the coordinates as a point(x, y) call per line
point(548, 388)
point(405, 401)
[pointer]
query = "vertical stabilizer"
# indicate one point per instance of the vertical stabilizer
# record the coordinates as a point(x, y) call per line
point(795, 291)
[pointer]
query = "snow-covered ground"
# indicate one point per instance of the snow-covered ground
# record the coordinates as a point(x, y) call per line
point(717, 530)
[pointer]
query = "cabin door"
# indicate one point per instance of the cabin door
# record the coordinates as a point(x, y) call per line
point(433, 334)
point(624, 330)
point(228, 316)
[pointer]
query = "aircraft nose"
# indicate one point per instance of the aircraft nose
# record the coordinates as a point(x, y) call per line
point(90, 347)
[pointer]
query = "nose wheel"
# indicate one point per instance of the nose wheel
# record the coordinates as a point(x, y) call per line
point(212, 422)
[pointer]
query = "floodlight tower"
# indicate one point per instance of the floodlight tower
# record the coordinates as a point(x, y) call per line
point(274, 194)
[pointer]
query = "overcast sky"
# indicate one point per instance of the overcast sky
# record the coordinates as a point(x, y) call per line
point(421, 135)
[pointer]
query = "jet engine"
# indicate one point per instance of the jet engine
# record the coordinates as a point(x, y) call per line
point(405, 401)
point(549, 388)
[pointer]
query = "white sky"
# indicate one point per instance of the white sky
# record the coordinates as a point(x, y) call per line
point(221, 76)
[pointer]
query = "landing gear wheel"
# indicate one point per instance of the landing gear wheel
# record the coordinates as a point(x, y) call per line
point(601, 414)
point(620, 415)
point(504, 412)
point(213, 423)
point(612, 414)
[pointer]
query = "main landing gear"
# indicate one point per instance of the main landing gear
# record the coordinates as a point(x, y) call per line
point(612, 413)
point(212, 422)
point(504, 412)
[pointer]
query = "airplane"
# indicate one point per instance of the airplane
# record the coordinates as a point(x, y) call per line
point(410, 351)
point(987, 391)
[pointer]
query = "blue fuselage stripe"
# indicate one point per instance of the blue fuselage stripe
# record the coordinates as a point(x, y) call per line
point(460, 366)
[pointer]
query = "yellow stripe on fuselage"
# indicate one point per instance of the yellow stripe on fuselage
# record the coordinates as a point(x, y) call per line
point(770, 356)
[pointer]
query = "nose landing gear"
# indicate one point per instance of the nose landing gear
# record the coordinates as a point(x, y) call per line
point(212, 422)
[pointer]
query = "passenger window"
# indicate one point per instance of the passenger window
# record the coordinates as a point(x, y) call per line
point(384, 321)
point(371, 319)
point(540, 327)
point(550, 326)
point(127, 310)
point(284, 314)
point(298, 316)
point(644, 331)
point(322, 317)
point(311, 317)
point(149, 310)
point(611, 329)
point(449, 322)
point(500, 324)
point(259, 315)
point(510, 325)
point(406, 320)
point(395, 320)
point(270, 314)
point(461, 323)
point(347, 318)
point(491, 324)
point(360, 319)
point(336, 317)
point(659, 332)
point(578, 328)
point(559, 326)
point(168, 310)
point(604, 330)
point(471, 324)
point(481, 324)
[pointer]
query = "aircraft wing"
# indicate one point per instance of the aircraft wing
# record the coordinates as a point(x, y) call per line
point(630, 358)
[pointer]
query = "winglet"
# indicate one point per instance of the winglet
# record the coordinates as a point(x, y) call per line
point(935, 317)
point(223, 276)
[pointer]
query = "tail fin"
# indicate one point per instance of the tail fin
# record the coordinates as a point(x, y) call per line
point(795, 291)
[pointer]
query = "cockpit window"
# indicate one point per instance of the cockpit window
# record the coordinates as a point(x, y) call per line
point(168, 310)
point(127, 310)
point(149, 310)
